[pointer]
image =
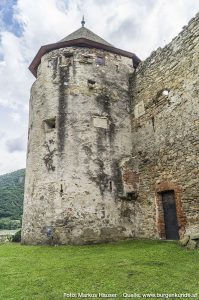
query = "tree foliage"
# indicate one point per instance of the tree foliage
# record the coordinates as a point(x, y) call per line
point(11, 195)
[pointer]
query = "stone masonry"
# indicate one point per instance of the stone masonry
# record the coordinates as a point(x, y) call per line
point(165, 131)
point(80, 133)
point(107, 138)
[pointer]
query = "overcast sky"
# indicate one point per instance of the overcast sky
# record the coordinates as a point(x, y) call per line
point(139, 26)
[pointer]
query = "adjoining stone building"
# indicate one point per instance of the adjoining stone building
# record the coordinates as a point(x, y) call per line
point(113, 142)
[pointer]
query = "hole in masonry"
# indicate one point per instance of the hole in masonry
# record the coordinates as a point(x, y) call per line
point(100, 60)
point(50, 124)
point(165, 92)
point(91, 83)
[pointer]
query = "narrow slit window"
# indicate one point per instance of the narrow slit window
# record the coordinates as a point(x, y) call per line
point(153, 123)
point(61, 190)
point(110, 185)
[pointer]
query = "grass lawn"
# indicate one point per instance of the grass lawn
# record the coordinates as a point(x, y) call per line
point(46, 273)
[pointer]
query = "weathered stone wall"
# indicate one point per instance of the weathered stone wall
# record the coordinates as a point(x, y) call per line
point(79, 142)
point(101, 152)
point(165, 131)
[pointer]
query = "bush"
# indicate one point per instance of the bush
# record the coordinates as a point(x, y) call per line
point(17, 237)
point(8, 224)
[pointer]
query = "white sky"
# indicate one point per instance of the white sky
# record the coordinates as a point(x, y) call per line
point(139, 26)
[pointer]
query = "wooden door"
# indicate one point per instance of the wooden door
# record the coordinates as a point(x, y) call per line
point(170, 215)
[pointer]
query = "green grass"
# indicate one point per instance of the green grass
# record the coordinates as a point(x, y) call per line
point(46, 273)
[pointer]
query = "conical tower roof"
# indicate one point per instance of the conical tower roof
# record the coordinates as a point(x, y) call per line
point(82, 37)
point(85, 33)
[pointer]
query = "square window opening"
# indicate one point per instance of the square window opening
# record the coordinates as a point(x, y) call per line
point(100, 60)
point(50, 124)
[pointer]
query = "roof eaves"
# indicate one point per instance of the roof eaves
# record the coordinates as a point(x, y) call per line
point(82, 42)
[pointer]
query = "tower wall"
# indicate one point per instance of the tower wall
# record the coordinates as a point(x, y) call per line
point(78, 187)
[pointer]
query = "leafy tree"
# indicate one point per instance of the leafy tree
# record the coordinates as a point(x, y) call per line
point(11, 198)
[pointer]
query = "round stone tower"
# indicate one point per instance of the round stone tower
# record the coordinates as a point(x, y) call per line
point(79, 186)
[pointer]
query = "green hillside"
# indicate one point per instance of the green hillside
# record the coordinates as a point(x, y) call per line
point(11, 195)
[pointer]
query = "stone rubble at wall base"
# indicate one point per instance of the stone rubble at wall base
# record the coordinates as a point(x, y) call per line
point(190, 242)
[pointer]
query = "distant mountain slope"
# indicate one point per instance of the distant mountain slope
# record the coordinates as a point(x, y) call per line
point(11, 194)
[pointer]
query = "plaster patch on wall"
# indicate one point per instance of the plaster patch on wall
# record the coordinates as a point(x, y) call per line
point(101, 122)
point(139, 109)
